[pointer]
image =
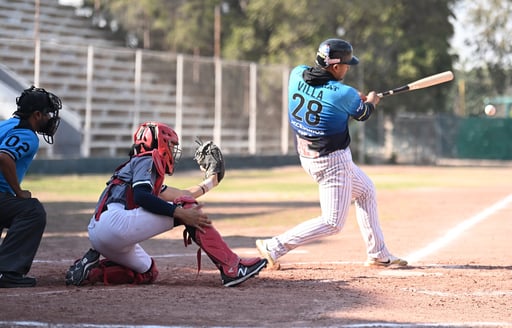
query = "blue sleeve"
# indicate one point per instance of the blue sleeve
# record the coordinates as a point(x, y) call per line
point(143, 196)
point(366, 111)
point(359, 110)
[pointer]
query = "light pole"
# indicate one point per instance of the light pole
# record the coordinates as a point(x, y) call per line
point(37, 43)
point(216, 32)
point(220, 9)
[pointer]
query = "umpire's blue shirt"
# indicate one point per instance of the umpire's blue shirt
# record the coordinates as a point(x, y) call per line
point(20, 142)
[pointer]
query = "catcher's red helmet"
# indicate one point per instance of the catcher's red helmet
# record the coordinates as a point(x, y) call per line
point(335, 51)
point(159, 140)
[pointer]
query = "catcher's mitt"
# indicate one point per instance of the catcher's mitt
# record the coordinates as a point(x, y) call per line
point(209, 157)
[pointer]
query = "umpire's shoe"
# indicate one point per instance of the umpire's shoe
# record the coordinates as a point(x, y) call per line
point(246, 270)
point(15, 280)
point(79, 271)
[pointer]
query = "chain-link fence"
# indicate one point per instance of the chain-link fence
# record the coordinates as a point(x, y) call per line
point(240, 105)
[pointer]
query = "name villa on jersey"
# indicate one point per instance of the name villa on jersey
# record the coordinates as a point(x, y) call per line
point(317, 93)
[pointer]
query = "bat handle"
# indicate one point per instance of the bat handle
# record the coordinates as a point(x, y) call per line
point(393, 91)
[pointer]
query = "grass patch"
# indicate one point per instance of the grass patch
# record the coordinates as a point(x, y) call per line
point(279, 183)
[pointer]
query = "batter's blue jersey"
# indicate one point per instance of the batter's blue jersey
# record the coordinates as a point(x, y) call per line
point(320, 114)
point(21, 144)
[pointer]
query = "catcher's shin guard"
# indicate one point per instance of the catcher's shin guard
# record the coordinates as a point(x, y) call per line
point(212, 243)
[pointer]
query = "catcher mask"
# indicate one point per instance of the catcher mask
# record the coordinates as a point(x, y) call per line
point(159, 140)
point(38, 99)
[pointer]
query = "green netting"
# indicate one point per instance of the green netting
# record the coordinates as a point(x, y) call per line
point(484, 138)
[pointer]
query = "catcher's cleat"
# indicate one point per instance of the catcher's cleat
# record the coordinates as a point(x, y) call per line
point(15, 280)
point(244, 272)
point(79, 271)
point(388, 261)
point(261, 245)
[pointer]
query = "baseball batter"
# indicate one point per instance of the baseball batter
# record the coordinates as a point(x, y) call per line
point(320, 107)
point(136, 206)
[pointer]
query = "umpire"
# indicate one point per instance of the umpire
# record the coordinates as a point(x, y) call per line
point(23, 216)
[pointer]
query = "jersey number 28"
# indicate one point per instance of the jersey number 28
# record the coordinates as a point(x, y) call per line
point(312, 111)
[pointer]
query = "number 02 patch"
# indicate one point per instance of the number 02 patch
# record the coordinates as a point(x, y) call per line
point(19, 147)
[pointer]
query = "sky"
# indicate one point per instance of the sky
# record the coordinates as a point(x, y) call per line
point(464, 29)
point(460, 33)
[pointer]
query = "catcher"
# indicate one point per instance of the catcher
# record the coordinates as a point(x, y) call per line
point(136, 205)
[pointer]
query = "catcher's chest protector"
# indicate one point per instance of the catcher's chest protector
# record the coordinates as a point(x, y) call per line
point(130, 203)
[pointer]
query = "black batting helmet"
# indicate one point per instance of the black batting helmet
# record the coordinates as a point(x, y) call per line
point(335, 51)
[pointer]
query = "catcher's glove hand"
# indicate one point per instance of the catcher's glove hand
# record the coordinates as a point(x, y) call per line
point(209, 157)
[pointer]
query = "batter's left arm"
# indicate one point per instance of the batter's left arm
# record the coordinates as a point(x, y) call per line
point(367, 106)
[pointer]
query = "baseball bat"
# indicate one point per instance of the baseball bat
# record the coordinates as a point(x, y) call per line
point(420, 84)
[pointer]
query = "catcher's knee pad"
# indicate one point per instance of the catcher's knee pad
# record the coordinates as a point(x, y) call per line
point(147, 277)
point(111, 273)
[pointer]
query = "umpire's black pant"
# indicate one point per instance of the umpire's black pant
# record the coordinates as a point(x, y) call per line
point(26, 219)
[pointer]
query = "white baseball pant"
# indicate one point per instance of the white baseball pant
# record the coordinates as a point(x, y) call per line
point(118, 232)
point(339, 181)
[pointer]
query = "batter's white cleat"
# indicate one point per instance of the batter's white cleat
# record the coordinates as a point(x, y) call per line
point(385, 262)
point(261, 245)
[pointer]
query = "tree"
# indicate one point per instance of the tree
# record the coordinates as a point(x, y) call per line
point(142, 18)
point(489, 41)
point(397, 40)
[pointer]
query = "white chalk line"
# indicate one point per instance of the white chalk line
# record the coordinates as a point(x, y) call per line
point(61, 325)
point(455, 232)
point(358, 325)
point(239, 251)
point(494, 293)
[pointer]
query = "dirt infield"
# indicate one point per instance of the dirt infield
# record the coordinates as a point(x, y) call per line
point(453, 225)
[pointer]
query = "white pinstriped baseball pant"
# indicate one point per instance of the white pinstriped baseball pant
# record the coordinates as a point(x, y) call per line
point(339, 181)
